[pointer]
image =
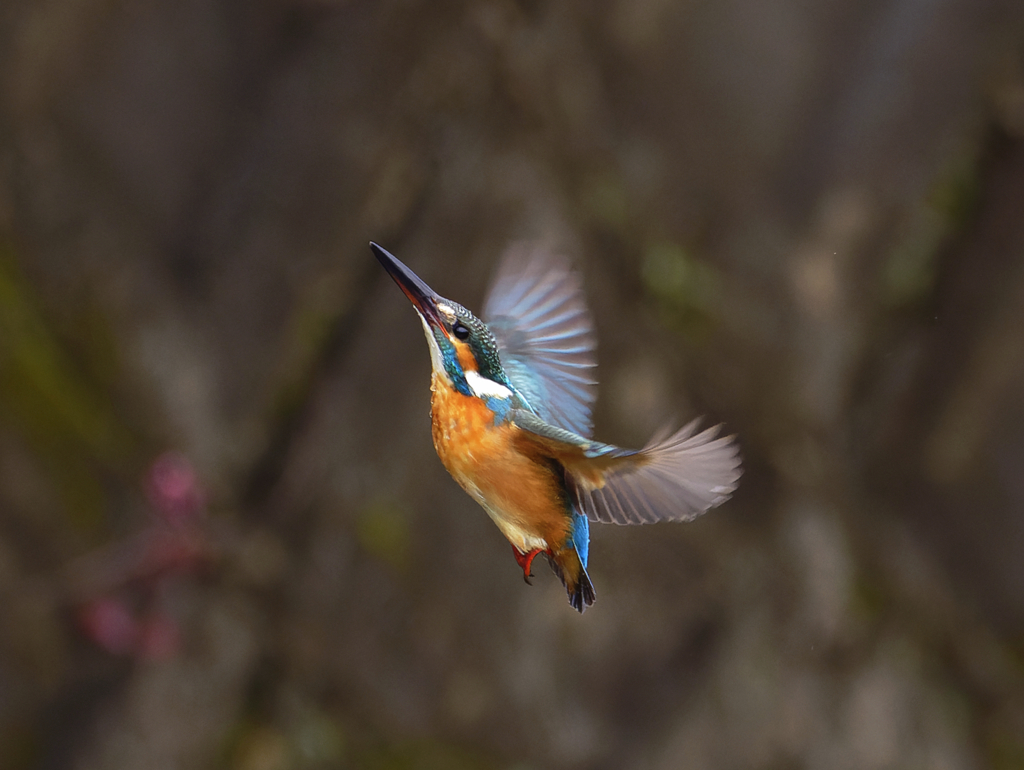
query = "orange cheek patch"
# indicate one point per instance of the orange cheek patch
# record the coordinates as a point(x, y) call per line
point(466, 358)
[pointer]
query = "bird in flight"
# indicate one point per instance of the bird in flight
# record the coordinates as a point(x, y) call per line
point(511, 404)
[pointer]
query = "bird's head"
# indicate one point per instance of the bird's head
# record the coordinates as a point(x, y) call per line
point(462, 349)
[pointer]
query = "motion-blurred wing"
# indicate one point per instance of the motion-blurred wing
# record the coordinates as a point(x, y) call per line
point(671, 479)
point(546, 342)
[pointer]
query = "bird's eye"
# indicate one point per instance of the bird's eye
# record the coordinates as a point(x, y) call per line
point(460, 331)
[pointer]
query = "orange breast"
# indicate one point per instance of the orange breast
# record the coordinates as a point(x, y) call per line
point(523, 495)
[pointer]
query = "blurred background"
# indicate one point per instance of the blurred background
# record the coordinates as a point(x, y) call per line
point(225, 539)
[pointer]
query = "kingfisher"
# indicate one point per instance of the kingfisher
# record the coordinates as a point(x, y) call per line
point(510, 410)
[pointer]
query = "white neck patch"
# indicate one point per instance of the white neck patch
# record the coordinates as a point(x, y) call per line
point(485, 388)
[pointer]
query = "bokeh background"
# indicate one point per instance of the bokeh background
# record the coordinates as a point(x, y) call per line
point(225, 540)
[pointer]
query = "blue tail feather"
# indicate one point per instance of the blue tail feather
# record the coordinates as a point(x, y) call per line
point(581, 536)
point(574, 572)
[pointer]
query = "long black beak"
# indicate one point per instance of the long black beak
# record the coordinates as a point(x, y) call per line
point(423, 298)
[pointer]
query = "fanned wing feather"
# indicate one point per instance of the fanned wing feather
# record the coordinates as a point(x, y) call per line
point(545, 336)
point(675, 478)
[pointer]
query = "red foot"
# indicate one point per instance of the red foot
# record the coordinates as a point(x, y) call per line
point(525, 561)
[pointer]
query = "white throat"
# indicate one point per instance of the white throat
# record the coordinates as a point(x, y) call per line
point(436, 362)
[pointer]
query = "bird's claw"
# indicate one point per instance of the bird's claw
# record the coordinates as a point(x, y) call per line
point(525, 560)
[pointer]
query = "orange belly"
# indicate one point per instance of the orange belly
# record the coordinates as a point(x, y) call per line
point(524, 496)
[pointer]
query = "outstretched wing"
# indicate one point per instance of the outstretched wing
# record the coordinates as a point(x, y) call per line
point(546, 342)
point(675, 478)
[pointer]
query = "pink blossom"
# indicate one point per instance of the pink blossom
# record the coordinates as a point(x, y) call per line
point(110, 624)
point(174, 488)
